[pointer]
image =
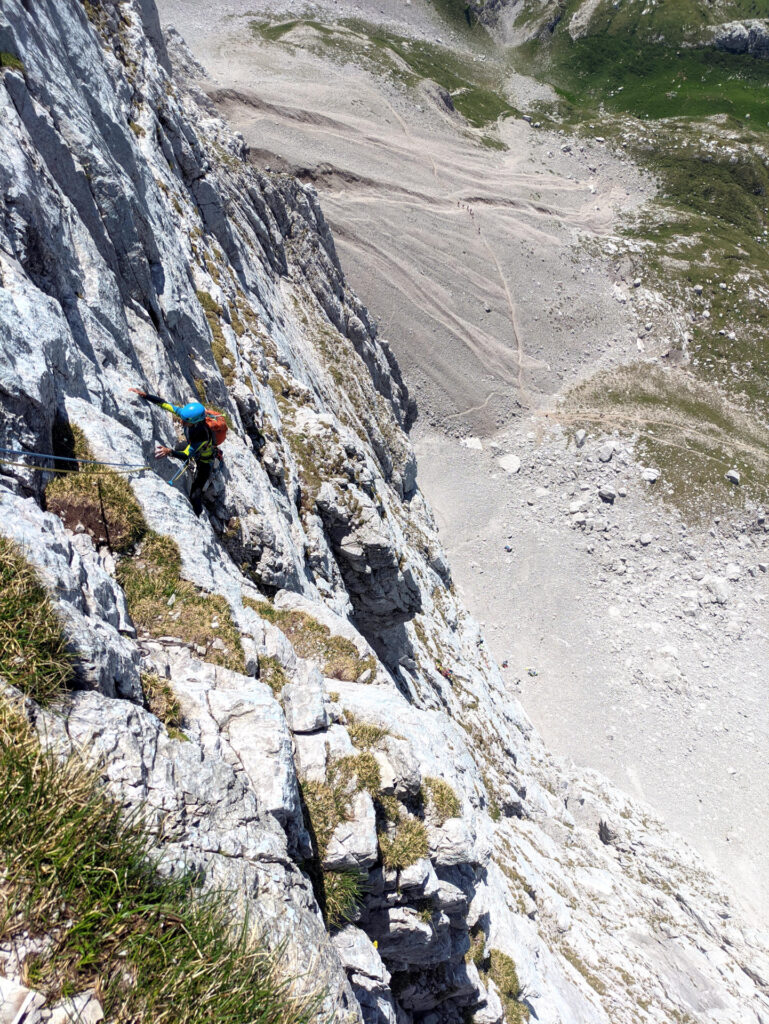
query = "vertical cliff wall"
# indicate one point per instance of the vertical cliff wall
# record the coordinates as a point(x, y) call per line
point(338, 715)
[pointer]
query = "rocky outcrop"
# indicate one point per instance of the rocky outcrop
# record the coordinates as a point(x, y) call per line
point(749, 37)
point(350, 720)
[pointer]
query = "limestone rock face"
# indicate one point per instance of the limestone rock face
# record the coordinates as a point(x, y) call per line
point(364, 738)
point(749, 37)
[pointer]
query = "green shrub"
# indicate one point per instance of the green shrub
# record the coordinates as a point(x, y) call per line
point(33, 651)
point(407, 844)
point(163, 604)
point(75, 874)
point(96, 496)
point(443, 801)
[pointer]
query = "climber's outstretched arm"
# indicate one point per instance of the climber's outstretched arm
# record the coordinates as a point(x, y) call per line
point(156, 400)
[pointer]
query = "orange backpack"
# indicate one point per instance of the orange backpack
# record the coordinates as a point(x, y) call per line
point(217, 424)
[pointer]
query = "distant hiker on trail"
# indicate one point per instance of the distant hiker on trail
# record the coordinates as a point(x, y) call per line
point(204, 430)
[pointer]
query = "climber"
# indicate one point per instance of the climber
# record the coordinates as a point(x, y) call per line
point(201, 444)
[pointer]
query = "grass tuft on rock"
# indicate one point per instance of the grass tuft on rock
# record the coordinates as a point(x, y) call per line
point(328, 803)
point(161, 700)
point(219, 349)
point(504, 974)
point(405, 845)
point(95, 496)
point(443, 801)
point(272, 672)
point(163, 604)
point(10, 60)
point(78, 890)
point(338, 657)
point(33, 652)
point(364, 735)
point(343, 895)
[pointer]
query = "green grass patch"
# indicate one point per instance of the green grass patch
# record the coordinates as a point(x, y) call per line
point(442, 800)
point(337, 656)
point(272, 672)
point(10, 60)
point(75, 873)
point(631, 74)
point(33, 652)
point(95, 496)
point(163, 604)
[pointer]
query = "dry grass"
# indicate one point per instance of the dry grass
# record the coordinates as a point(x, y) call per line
point(97, 497)
point(443, 801)
point(33, 651)
point(163, 604)
point(75, 873)
point(338, 657)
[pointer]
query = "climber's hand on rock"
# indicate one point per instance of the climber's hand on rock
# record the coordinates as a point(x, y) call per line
point(161, 451)
point(140, 393)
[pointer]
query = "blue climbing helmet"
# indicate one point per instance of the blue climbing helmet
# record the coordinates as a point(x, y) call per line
point(192, 412)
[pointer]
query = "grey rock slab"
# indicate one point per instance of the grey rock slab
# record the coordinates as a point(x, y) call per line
point(17, 1002)
point(83, 1008)
point(354, 844)
point(359, 954)
point(452, 843)
point(304, 701)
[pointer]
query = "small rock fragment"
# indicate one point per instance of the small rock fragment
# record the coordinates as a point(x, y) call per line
point(733, 477)
point(606, 451)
